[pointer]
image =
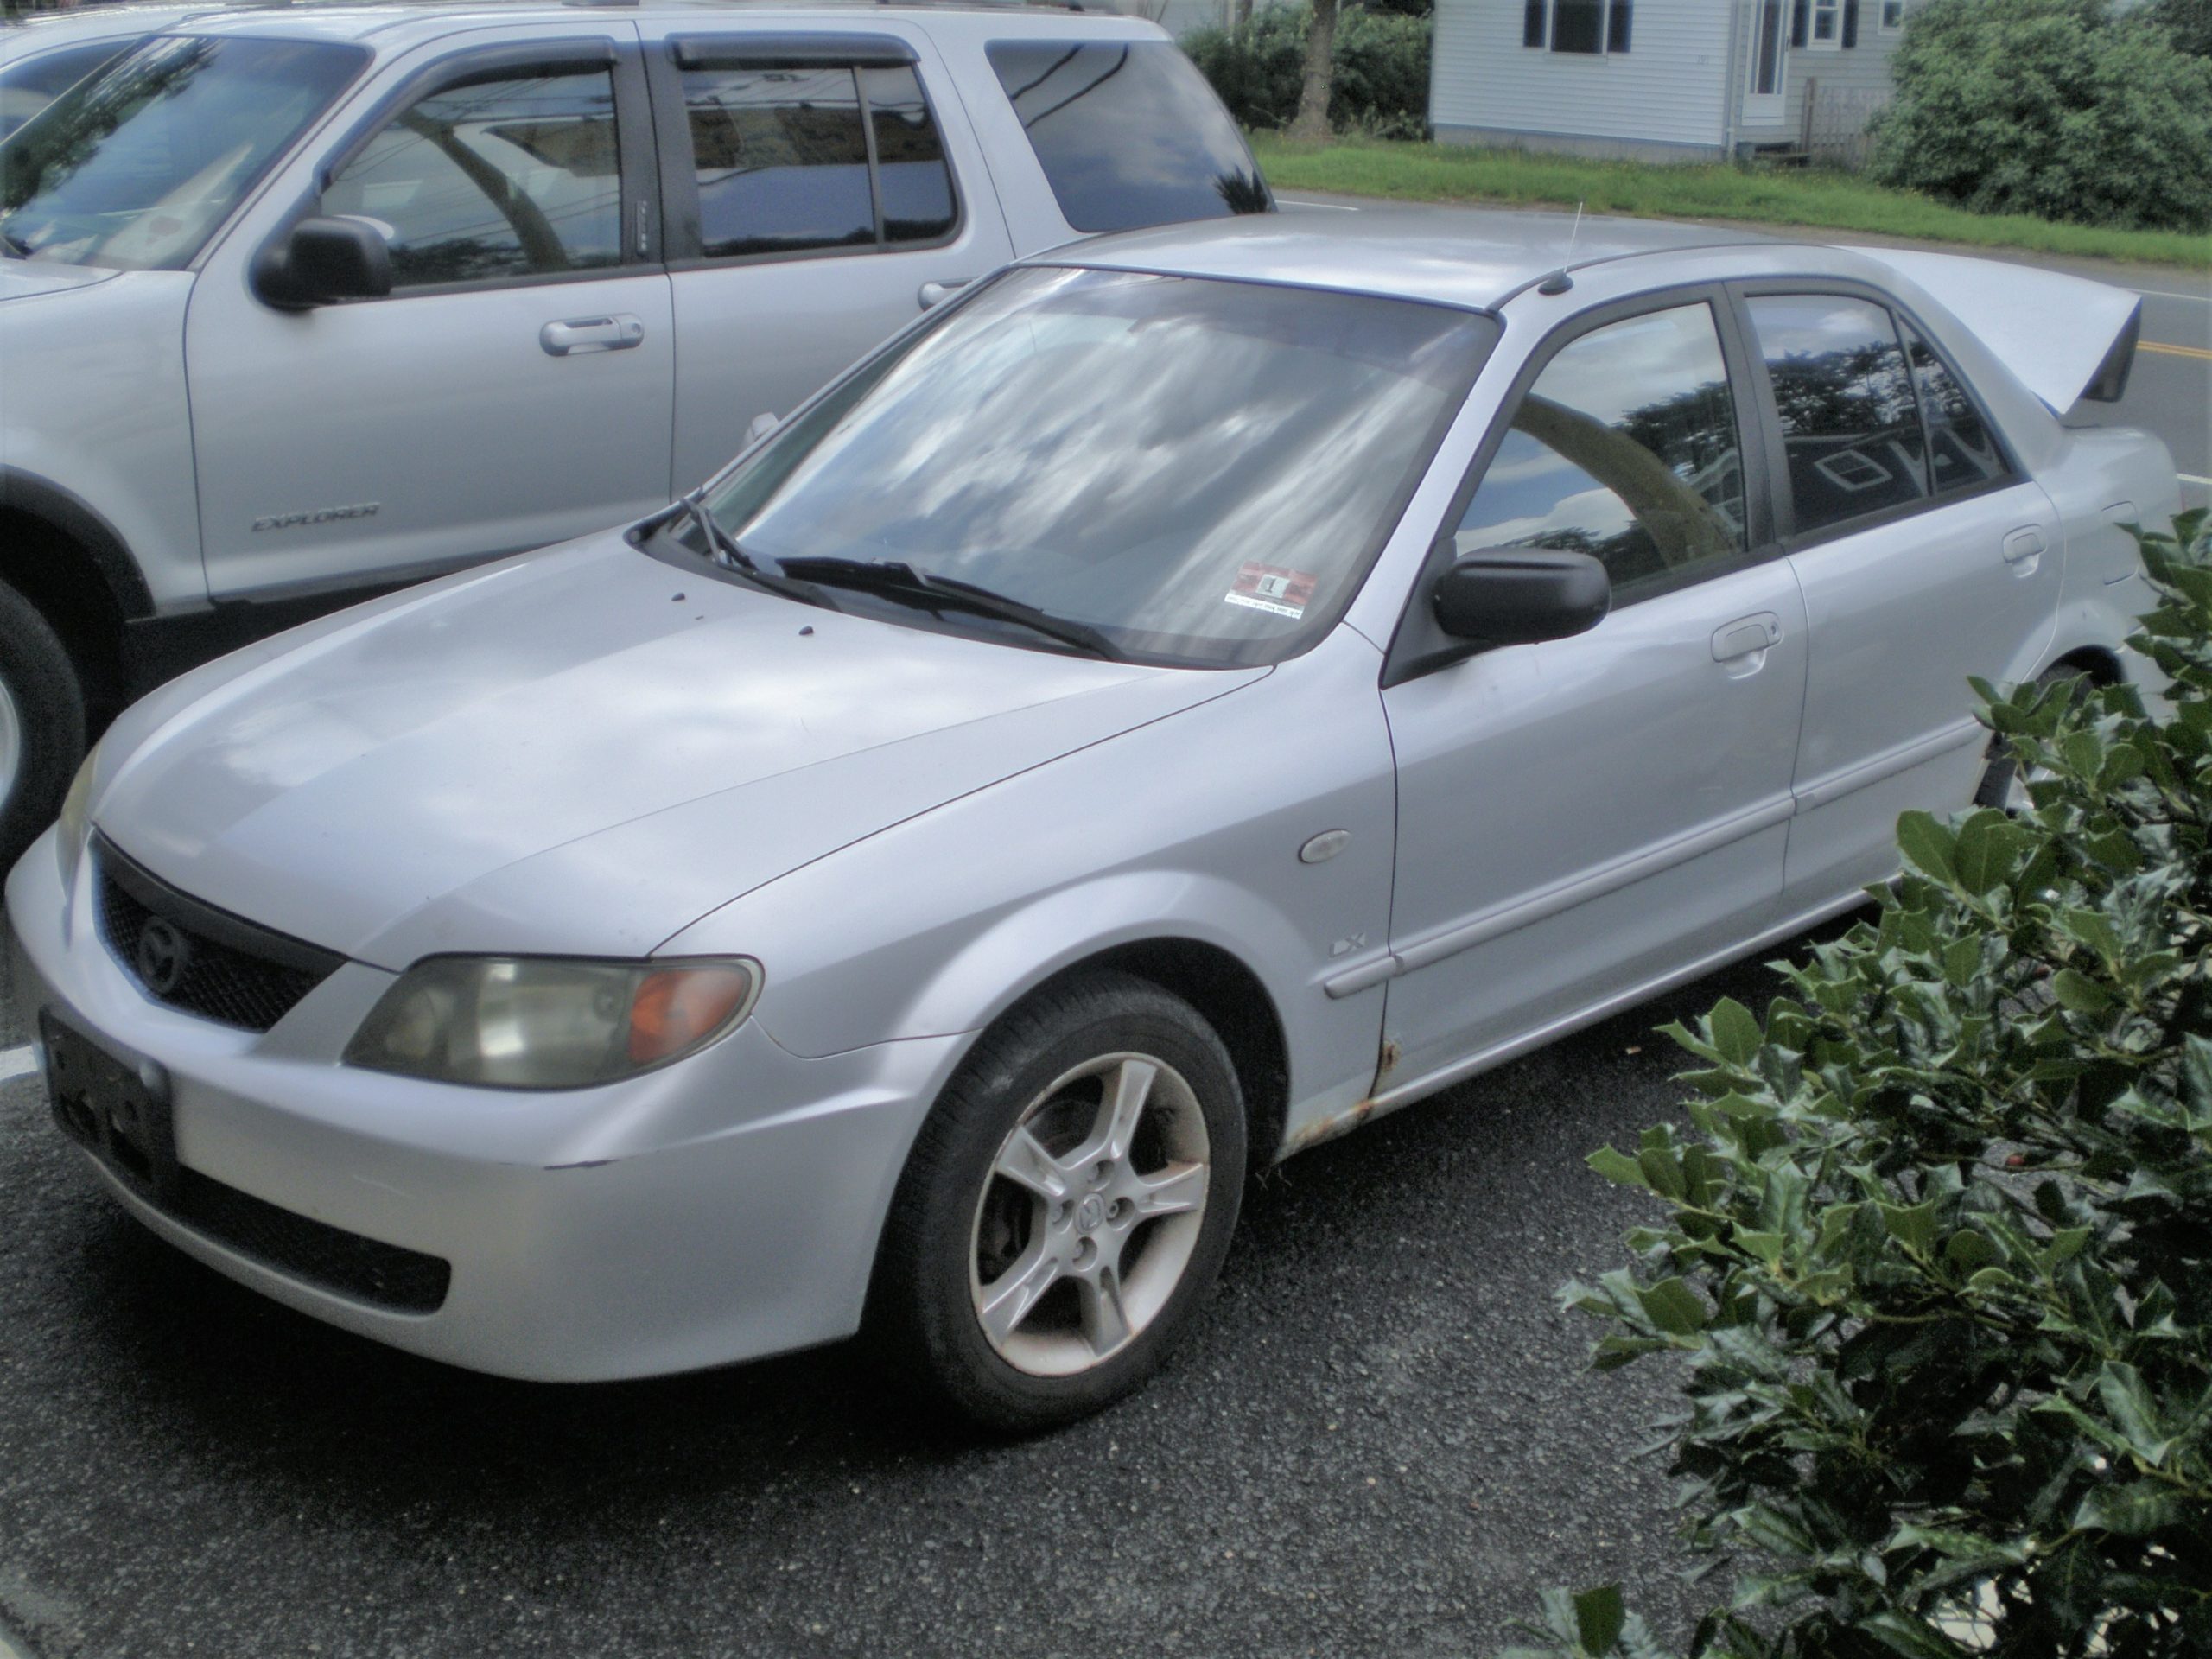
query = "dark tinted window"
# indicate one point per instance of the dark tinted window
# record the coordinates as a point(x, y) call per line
point(1577, 25)
point(136, 167)
point(1850, 424)
point(1129, 133)
point(1964, 451)
point(1626, 448)
point(782, 159)
point(28, 86)
point(512, 175)
point(912, 176)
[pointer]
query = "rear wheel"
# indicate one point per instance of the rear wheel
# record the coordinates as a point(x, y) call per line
point(41, 724)
point(1067, 1208)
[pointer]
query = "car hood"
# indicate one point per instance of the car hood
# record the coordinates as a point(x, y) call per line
point(580, 751)
point(25, 278)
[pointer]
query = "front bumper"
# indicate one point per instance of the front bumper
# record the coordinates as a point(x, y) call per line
point(722, 1209)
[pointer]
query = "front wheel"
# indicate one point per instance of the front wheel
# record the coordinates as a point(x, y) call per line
point(41, 724)
point(1067, 1208)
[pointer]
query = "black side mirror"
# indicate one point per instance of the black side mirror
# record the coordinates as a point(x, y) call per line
point(322, 261)
point(1517, 597)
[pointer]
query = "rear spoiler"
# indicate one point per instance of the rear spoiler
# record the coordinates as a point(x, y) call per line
point(2064, 338)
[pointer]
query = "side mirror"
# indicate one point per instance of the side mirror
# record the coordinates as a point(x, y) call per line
point(1518, 596)
point(323, 261)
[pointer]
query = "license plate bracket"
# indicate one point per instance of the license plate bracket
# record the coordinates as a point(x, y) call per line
point(118, 1112)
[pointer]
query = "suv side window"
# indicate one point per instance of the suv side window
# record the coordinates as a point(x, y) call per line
point(1626, 448)
point(1129, 132)
point(511, 173)
point(1850, 422)
point(794, 159)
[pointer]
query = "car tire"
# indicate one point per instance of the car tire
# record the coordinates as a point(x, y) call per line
point(2002, 785)
point(1017, 1310)
point(41, 724)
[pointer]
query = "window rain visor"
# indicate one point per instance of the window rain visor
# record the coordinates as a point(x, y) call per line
point(1199, 471)
point(135, 167)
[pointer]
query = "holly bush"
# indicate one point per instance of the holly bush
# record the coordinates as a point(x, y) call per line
point(2075, 110)
point(1937, 1256)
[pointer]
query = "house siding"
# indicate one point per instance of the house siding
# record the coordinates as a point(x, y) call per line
point(1667, 96)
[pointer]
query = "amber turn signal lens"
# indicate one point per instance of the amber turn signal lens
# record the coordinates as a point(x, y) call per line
point(677, 1008)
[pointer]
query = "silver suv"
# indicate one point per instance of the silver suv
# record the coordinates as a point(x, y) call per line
point(304, 304)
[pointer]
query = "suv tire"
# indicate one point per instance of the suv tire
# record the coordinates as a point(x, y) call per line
point(41, 724)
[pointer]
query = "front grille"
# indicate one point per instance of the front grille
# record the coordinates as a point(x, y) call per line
point(387, 1276)
point(199, 959)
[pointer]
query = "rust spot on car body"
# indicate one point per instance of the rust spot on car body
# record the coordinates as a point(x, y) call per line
point(1342, 1124)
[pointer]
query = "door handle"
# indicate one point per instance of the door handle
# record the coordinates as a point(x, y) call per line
point(580, 335)
point(939, 293)
point(1747, 636)
point(2023, 544)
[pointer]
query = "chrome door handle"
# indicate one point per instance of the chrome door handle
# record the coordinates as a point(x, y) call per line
point(579, 335)
point(2024, 544)
point(1747, 636)
point(939, 293)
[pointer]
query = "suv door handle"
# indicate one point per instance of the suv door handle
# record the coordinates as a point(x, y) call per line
point(939, 293)
point(580, 335)
point(1747, 636)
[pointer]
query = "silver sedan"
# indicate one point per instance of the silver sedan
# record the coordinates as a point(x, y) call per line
point(1197, 693)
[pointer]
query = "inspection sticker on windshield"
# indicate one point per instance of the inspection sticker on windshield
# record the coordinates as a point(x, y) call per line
point(1270, 588)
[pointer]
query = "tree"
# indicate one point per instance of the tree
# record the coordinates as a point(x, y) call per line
point(1312, 120)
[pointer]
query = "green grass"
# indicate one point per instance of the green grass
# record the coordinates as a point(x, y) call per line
point(1820, 199)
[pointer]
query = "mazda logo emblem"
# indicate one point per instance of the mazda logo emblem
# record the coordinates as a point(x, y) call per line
point(162, 955)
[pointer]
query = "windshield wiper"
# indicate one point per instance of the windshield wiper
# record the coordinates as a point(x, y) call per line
point(722, 547)
point(15, 246)
point(895, 580)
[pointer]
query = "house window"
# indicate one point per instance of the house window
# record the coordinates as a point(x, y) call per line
point(1892, 15)
point(1827, 24)
point(1587, 27)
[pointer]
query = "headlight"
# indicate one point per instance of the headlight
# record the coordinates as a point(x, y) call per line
point(76, 821)
point(533, 1022)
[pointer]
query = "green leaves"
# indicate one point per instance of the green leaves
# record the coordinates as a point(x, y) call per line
point(1932, 1257)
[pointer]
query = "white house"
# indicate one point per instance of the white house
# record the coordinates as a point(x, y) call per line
point(1663, 79)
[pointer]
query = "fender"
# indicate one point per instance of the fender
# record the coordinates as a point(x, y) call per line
point(72, 517)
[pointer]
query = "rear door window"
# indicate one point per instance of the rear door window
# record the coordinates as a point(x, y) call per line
point(1963, 453)
point(1129, 133)
point(792, 159)
point(1849, 420)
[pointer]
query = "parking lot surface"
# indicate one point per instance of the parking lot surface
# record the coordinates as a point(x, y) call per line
point(1382, 1442)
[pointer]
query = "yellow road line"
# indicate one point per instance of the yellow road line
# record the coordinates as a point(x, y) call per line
point(2196, 351)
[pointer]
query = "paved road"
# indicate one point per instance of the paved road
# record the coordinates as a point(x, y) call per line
point(1383, 1444)
point(2170, 390)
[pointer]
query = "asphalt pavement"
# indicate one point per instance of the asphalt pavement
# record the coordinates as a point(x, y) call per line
point(1382, 1441)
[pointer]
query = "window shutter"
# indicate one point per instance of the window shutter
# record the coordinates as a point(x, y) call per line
point(1618, 31)
point(1532, 23)
point(1850, 22)
point(1800, 22)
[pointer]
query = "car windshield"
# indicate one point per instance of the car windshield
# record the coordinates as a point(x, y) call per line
point(135, 168)
point(1195, 470)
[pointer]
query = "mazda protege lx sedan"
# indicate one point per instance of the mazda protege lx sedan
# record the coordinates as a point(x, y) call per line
point(1192, 693)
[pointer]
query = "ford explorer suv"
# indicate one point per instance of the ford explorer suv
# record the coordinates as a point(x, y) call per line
point(301, 305)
